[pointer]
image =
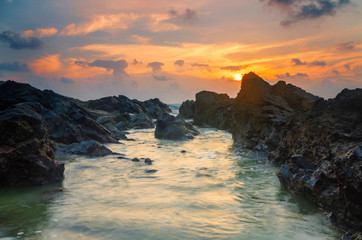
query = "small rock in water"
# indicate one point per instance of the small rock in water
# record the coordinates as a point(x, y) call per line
point(183, 151)
point(20, 233)
point(135, 160)
point(121, 157)
point(37, 232)
point(151, 170)
point(148, 161)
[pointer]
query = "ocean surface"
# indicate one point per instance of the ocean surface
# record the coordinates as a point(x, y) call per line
point(198, 189)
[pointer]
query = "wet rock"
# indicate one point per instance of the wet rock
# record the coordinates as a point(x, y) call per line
point(135, 160)
point(174, 128)
point(26, 151)
point(148, 161)
point(150, 170)
point(90, 148)
point(183, 151)
point(187, 109)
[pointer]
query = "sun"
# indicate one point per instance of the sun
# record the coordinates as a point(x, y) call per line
point(237, 77)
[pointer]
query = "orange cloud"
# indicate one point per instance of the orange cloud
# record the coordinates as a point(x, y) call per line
point(46, 32)
point(111, 21)
point(46, 66)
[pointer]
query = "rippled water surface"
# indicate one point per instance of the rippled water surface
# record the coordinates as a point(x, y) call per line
point(199, 189)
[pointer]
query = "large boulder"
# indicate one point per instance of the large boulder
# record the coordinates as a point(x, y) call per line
point(26, 152)
point(174, 128)
point(187, 109)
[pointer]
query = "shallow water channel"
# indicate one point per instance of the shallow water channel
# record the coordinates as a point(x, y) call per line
point(199, 189)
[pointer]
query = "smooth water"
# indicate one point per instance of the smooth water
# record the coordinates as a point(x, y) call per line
point(209, 191)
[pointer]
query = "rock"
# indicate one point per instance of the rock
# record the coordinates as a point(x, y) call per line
point(317, 142)
point(66, 122)
point(89, 148)
point(135, 160)
point(26, 152)
point(183, 151)
point(148, 161)
point(150, 170)
point(141, 121)
point(187, 109)
point(174, 128)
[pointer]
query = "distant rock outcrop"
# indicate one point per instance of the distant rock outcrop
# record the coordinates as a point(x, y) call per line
point(317, 142)
point(126, 113)
point(174, 128)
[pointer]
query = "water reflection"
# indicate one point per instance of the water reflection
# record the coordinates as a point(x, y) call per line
point(24, 212)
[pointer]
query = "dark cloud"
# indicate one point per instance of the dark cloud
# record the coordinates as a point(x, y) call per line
point(174, 85)
point(14, 67)
point(318, 63)
point(232, 68)
point(16, 41)
point(67, 80)
point(335, 72)
point(118, 67)
point(156, 66)
point(188, 15)
point(135, 62)
point(298, 62)
point(180, 63)
point(199, 65)
point(299, 10)
point(348, 46)
point(160, 77)
point(347, 66)
point(288, 75)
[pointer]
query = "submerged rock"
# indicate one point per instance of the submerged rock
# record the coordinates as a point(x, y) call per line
point(89, 148)
point(26, 152)
point(174, 128)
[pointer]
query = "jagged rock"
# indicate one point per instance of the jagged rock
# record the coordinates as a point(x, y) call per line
point(174, 128)
point(89, 148)
point(26, 152)
point(124, 106)
point(66, 122)
point(187, 109)
point(317, 142)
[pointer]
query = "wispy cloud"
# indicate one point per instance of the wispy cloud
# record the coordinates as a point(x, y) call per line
point(232, 68)
point(17, 41)
point(160, 77)
point(118, 67)
point(347, 46)
point(298, 62)
point(199, 65)
point(66, 80)
point(288, 75)
point(120, 21)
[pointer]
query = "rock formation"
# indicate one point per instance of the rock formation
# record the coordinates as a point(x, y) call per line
point(174, 128)
point(317, 142)
point(187, 109)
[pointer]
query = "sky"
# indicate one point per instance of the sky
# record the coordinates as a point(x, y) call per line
point(144, 49)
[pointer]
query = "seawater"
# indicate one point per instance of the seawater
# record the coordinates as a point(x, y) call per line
point(197, 189)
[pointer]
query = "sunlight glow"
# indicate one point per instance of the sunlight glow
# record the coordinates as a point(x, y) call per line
point(237, 77)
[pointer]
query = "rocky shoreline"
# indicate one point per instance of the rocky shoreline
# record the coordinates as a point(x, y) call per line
point(317, 143)
point(35, 124)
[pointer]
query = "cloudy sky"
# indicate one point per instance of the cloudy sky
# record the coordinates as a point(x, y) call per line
point(172, 49)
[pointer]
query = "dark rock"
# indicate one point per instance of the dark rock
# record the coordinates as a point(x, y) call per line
point(187, 109)
point(26, 152)
point(66, 122)
point(317, 142)
point(150, 170)
point(89, 148)
point(135, 160)
point(183, 151)
point(148, 161)
point(174, 128)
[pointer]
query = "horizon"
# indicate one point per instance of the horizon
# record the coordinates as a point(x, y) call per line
point(171, 51)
